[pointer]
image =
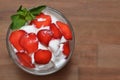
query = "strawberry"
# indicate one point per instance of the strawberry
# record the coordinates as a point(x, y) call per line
point(56, 33)
point(42, 56)
point(15, 38)
point(41, 20)
point(44, 36)
point(25, 60)
point(29, 42)
point(64, 28)
point(66, 49)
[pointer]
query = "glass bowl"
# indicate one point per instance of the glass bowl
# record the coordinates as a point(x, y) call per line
point(42, 71)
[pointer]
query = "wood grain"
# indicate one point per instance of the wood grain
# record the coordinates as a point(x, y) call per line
point(96, 24)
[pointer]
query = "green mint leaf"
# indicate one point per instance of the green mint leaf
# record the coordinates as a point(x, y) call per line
point(18, 22)
point(35, 11)
point(14, 17)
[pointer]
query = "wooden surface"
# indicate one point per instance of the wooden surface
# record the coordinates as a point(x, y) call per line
point(96, 24)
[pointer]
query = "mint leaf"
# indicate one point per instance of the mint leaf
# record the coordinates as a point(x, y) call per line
point(18, 22)
point(14, 17)
point(35, 11)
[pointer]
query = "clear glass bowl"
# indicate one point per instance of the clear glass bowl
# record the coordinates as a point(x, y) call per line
point(60, 17)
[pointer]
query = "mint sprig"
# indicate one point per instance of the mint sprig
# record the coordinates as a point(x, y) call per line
point(23, 16)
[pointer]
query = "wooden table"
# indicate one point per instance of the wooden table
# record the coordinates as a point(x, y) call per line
point(96, 24)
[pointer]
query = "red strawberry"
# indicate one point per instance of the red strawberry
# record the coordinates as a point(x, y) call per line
point(15, 38)
point(42, 56)
point(29, 42)
point(66, 49)
point(44, 36)
point(41, 20)
point(25, 60)
point(56, 33)
point(65, 30)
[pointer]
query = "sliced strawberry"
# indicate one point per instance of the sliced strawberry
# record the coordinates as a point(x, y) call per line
point(29, 42)
point(56, 33)
point(64, 28)
point(41, 20)
point(25, 60)
point(15, 37)
point(42, 56)
point(66, 49)
point(44, 36)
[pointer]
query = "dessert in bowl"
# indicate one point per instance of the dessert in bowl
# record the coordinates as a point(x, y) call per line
point(40, 40)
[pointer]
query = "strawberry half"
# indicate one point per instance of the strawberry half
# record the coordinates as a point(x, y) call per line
point(41, 20)
point(25, 60)
point(29, 42)
point(64, 28)
point(44, 36)
point(56, 33)
point(42, 56)
point(66, 49)
point(15, 37)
